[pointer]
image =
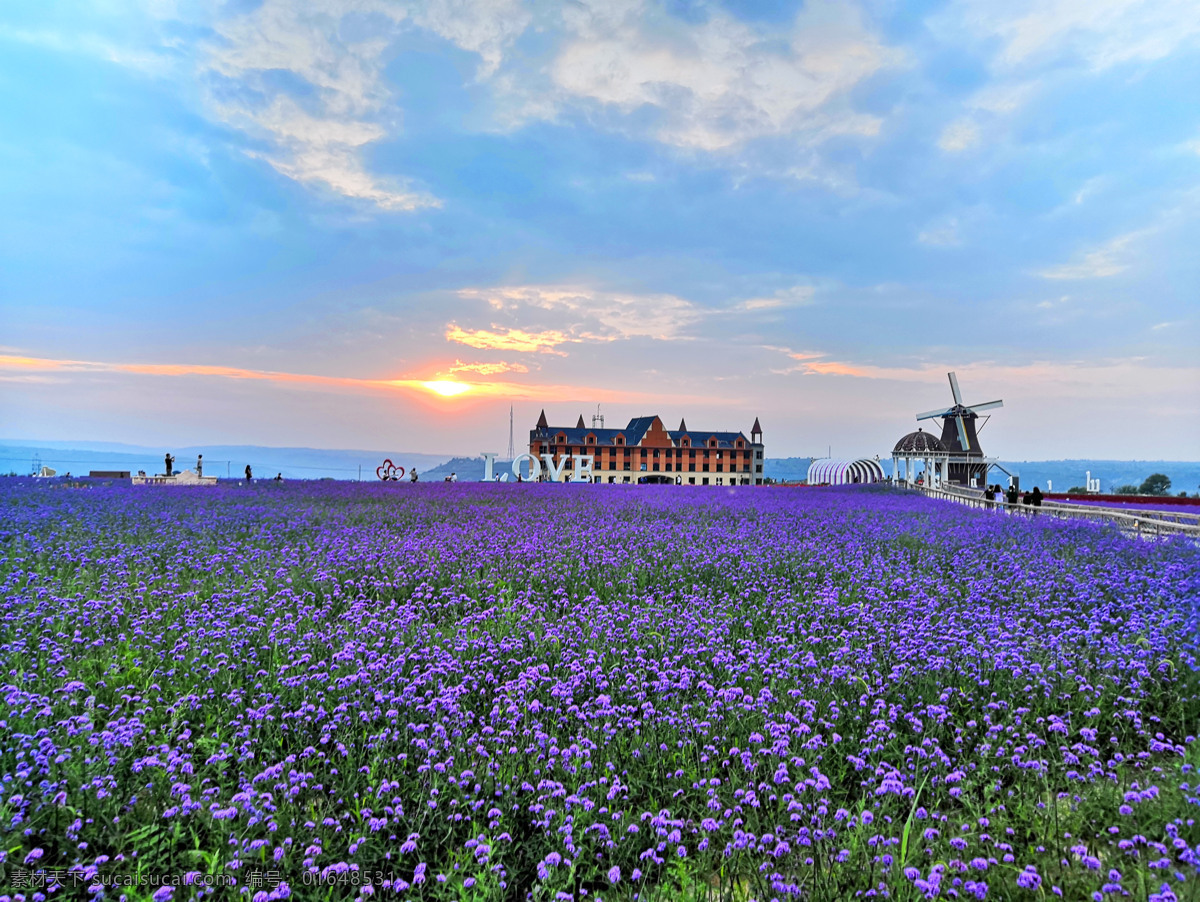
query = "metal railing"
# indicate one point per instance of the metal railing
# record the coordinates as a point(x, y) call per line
point(1143, 523)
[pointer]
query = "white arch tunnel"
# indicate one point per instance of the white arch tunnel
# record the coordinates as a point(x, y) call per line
point(844, 472)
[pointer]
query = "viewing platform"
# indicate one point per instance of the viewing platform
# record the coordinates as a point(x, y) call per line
point(187, 477)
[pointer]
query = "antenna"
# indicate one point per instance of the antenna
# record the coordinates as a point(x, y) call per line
point(597, 417)
point(512, 451)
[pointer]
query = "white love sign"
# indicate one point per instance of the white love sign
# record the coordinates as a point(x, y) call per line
point(582, 471)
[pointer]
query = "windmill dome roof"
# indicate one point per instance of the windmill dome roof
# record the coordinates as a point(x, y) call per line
point(918, 441)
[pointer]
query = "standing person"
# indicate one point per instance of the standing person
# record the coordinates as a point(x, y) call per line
point(199, 464)
point(169, 461)
point(1012, 496)
point(249, 474)
point(279, 477)
point(412, 477)
point(1036, 497)
point(453, 476)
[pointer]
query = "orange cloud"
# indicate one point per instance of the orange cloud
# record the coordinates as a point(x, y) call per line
point(450, 389)
point(508, 340)
point(488, 369)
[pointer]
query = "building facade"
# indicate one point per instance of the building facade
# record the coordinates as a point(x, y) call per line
point(646, 451)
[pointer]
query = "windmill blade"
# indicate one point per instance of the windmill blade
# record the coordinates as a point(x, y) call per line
point(954, 389)
point(975, 408)
point(931, 414)
point(962, 433)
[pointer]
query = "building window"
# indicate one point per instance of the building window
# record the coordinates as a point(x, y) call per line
point(704, 468)
point(704, 481)
point(720, 469)
point(642, 469)
point(691, 480)
point(692, 469)
point(655, 467)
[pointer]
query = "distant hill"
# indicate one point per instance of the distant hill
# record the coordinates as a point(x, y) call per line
point(1065, 474)
point(219, 460)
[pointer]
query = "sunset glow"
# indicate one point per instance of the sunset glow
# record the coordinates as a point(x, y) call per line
point(446, 387)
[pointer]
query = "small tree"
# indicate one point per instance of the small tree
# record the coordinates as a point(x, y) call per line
point(1156, 484)
point(1125, 490)
point(1076, 490)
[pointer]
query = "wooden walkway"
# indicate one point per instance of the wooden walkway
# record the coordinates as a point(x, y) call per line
point(1152, 524)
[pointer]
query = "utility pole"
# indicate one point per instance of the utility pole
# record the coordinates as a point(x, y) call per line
point(512, 451)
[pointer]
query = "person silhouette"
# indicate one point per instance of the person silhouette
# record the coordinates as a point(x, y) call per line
point(249, 473)
point(412, 477)
point(199, 464)
point(169, 461)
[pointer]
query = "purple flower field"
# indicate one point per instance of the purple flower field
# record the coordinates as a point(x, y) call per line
point(475, 692)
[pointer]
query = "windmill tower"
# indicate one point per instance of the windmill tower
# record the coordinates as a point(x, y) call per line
point(959, 438)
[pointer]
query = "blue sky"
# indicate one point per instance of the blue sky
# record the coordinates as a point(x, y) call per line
point(279, 223)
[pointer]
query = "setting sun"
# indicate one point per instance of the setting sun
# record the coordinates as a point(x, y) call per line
point(446, 387)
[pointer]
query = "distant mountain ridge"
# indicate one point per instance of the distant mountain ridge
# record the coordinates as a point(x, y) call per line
point(219, 460)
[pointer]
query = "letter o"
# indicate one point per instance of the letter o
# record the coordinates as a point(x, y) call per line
point(535, 466)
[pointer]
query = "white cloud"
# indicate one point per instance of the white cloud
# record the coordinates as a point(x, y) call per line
point(597, 315)
point(1110, 259)
point(1100, 33)
point(149, 62)
point(795, 296)
point(959, 136)
point(944, 235)
point(338, 48)
point(719, 83)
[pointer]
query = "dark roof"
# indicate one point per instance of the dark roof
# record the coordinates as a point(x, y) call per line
point(755, 428)
point(682, 425)
point(579, 425)
point(541, 423)
point(637, 428)
point(918, 441)
point(700, 439)
point(633, 433)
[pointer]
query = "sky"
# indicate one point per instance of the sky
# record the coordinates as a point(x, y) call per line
point(376, 224)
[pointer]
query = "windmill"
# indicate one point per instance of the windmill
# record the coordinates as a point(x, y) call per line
point(958, 435)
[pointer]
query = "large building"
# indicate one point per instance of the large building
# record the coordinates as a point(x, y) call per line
point(646, 451)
